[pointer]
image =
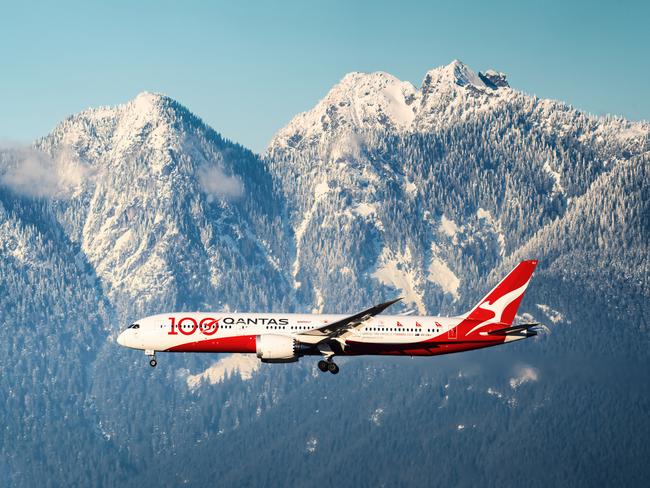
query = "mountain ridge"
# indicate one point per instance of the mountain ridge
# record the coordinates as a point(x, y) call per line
point(443, 89)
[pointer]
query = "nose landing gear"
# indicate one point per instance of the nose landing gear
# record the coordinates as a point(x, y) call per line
point(328, 365)
point(152, 355)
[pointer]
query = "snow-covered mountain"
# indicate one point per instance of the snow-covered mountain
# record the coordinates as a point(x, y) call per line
point(382, 189)
point(418, 189)
point(448, 96)
point(170, 212)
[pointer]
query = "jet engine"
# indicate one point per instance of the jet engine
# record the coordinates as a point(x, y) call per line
point(272, 348)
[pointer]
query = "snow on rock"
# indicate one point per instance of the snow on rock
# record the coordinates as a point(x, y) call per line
point(494, 79)
point(494, 226)
point(375, 97)
point(553, 315)
point(492, 392)
point(365, 209)
point(440, 274)
point(557, 184)
point(484, 214)
point(376, 416)
point(312, 445)
point(318, 308)
point(243, 365)
point(320, 191)
point(454, 73)
point(392, 270)
point(454, 93)
point(634, 131)
point(358, 101)
point(448, 227)
point(410, 188)
point(379, 101)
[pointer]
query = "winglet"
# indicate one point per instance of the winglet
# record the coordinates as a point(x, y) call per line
point(383, 306)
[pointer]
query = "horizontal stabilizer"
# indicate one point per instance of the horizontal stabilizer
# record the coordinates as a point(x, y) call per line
point(522, 330)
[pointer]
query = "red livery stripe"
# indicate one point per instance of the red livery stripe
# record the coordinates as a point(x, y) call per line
point(237, 344)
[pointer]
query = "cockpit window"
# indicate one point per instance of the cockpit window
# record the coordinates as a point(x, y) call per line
point(134, 326)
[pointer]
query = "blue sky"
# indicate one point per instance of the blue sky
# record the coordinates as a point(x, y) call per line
point(247, 67)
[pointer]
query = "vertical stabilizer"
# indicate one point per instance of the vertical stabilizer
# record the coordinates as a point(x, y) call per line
point(500, 305)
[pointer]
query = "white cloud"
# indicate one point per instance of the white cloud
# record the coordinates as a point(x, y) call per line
point(33, 173)
point(217, 184)
point(242, 364)
point(523, 374)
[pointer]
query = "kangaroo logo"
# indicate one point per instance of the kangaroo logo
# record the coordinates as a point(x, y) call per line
point(497, 308)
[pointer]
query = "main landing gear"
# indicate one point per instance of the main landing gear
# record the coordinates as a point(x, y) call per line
point(152, 355)
point(328, 365)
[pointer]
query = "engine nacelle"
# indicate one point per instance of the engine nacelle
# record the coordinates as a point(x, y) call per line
point(272, 348)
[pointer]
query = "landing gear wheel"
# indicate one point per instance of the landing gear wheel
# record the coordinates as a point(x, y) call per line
point(323, 366)
point(153, 363)
point(333, 368)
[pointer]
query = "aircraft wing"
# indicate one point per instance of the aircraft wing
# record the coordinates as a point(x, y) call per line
point(337, 329)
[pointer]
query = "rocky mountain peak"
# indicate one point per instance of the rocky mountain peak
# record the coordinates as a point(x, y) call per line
point(359, 101)
point(455, 73)
point(380, 101)
point(157, 174)
point(494, 79)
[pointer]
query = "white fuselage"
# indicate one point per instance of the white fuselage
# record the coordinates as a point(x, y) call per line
point(285, 337)
point(238, 332)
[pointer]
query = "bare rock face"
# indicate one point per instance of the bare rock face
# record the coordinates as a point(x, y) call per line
point(494, 79)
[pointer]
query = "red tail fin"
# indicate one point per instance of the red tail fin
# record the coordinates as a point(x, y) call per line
point(501, 304)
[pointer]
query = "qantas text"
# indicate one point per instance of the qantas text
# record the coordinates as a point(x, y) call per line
point(209, 325)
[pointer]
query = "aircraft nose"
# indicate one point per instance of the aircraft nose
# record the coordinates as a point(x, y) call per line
point(121, 340)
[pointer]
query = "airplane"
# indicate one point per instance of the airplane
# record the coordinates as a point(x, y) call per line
point(286, 337)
